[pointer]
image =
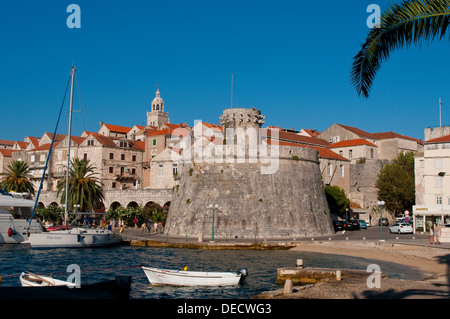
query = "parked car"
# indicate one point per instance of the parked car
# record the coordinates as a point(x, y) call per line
point(362, 223)
point(337, 224)
point(347, 225)
point(383, 221)
point(401, 228)
point(355, 224)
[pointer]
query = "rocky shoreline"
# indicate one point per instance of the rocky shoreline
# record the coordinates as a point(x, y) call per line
point(432, 262)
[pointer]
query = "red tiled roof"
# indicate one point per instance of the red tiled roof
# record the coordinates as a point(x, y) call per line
point(45, 147)
point(311, 132)
point(357, 131)
point(442, 139)
point(6, 142)
point(140, 145)
point(78, 139)
point(6, 152)
point(295, 138)
point(22, 145)
point(323, 152)
point(354, 142)
point(213, 126)
point(58, 137)
point(386, 135)
point(117, 128)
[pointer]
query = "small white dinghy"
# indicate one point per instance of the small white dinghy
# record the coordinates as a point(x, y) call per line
point(170, 277)
point(32, 280)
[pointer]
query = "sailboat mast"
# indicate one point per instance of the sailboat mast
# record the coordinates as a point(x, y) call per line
point(66, 208)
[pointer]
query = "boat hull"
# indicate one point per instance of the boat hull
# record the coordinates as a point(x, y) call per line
point(31, 280)
point(166, 277)
point(75, 238)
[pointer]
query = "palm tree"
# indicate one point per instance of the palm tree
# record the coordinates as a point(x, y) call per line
point(412, 22)
point(85, 189)
point(17, 178)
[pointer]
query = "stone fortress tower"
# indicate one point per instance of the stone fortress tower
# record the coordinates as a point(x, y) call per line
point(287, 202)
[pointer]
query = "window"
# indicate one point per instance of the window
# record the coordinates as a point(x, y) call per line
point(341, 170)
point(422, 163)
point(350, 154)
point(33, 158)
point(133, 171)
point(42, 159)
point(90, 143)
point(122, 157)
point(154, 141)
point(85, 156)
point(113, 185)
point(329, 169)
point(438, 182)
point(111, 170)
point(341, 153)
point(111, 155)
point(175, 169)
point(60, 155)
point(371, 153)
point(438, 200)
point(438, 163)
point(160, 170)
point(133, 158)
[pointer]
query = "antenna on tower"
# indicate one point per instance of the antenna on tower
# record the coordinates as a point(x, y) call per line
point(231, 90)
point(440, 112)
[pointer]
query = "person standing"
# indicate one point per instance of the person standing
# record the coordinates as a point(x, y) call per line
point(437, 233)
point(431, 236)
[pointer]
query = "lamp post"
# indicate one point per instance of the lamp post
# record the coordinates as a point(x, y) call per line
point(380, 205)
point(214, 207)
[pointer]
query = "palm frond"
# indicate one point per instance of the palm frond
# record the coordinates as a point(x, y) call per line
point(412, 22)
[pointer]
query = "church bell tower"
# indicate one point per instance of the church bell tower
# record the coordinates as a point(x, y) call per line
point(157, 116)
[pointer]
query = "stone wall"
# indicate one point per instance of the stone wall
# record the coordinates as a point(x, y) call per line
point(362, 182)
point(288, 203)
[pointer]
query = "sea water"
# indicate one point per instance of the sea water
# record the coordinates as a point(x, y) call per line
point(98, 264)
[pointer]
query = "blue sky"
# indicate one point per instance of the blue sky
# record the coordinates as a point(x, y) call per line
point(289, 58)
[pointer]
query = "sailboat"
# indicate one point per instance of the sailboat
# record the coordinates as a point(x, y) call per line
point(73, 237)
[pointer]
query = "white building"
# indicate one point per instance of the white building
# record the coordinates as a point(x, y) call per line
point(432, 170)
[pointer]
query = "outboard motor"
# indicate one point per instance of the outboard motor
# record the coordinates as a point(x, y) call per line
point(244, 273)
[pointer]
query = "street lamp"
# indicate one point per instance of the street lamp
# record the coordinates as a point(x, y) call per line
point(380, 205)
point(214, 207)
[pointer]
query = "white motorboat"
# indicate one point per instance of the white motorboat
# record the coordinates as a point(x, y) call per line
point(32, 280)
point(14, 230)
point(168, 277)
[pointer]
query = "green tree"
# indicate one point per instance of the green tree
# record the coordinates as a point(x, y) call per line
point(337, 200)
point(411, 22)
point(396, 185)
point(52, 213)
point(17, 178)
point(85, 189)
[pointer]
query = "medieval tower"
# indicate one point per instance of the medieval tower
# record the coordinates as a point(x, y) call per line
point(248, 191)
